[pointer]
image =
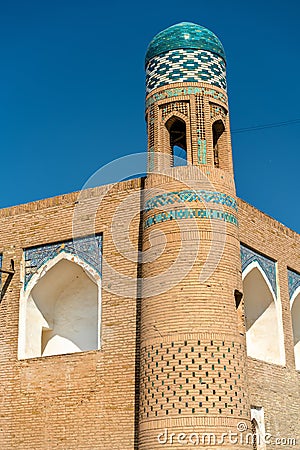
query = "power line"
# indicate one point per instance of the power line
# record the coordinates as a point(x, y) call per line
point(270, 125)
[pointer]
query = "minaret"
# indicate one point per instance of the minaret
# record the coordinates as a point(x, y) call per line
point(193, 377)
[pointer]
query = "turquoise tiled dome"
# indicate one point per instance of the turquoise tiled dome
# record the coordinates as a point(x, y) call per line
point(184, 35)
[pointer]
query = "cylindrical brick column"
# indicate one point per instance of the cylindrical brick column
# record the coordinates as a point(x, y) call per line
point(193, 377)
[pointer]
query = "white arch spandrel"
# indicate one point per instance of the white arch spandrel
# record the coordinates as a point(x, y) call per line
point(264, 331)
point(295, 312)
point(60, 309)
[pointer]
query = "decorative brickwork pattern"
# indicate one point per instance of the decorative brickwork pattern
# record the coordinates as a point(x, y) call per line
point(181, 107)
point(217, 110)
point(151, 127)
point(294, 282)
point(185, 65)
point(201, 139)
point(87, 248)
point(190, 377)
point(267, 265)
point(151, 137)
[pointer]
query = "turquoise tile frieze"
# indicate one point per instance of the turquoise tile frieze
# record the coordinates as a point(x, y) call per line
point(184, 35)
point(188, 90)
point(185, 66)
point(190, 213)
point(86, 248)
point(294, 282)
point(204, 196)
point(267, 265)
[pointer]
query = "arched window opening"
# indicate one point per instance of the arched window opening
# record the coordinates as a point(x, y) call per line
point(217, 130)
point(296, 329)
point(262, 328)
point(258, 428)
point(178, 143)
point(61, 312)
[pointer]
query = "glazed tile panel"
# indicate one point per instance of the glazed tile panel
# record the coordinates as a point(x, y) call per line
point(268, 266)
point(87, 248)
point(190, 213)
point(185, 65)
point(294, 282)
point(185, 90)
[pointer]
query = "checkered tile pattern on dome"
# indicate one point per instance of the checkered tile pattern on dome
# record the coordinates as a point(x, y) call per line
point(185, 65)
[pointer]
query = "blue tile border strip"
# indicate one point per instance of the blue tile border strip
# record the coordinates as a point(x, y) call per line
point(186, 90)
point(190, 213)
point(267, 265)
point(170, 198)
point(87, 248)
point(294, 282)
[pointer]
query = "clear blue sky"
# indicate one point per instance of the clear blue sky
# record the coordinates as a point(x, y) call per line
point(72, 92)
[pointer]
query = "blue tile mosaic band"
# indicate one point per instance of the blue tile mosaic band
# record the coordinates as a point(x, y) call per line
point(294, 282)
point(170, 198)
point(186, 35)
point(267, 265)
point(87, 248)
point(190, 213)
point(185, 66)
point(188, 90)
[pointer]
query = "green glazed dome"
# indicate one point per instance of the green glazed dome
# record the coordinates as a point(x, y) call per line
point(184, 35)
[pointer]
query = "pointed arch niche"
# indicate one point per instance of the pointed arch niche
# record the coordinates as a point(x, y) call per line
point(264, 332)
point(294, 290)
point(177, 138)
point(60, 308)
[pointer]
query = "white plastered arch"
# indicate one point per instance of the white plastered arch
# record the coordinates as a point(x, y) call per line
point(267, 328)
point(295, 313)
point(253, 265)
point(294, 296)
point(82, 271)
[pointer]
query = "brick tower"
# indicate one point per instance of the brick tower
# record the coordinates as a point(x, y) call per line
point(193, 376)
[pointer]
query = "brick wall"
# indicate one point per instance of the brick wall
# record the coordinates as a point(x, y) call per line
point(81, 400)
point(275, 387)
point(87, 400)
